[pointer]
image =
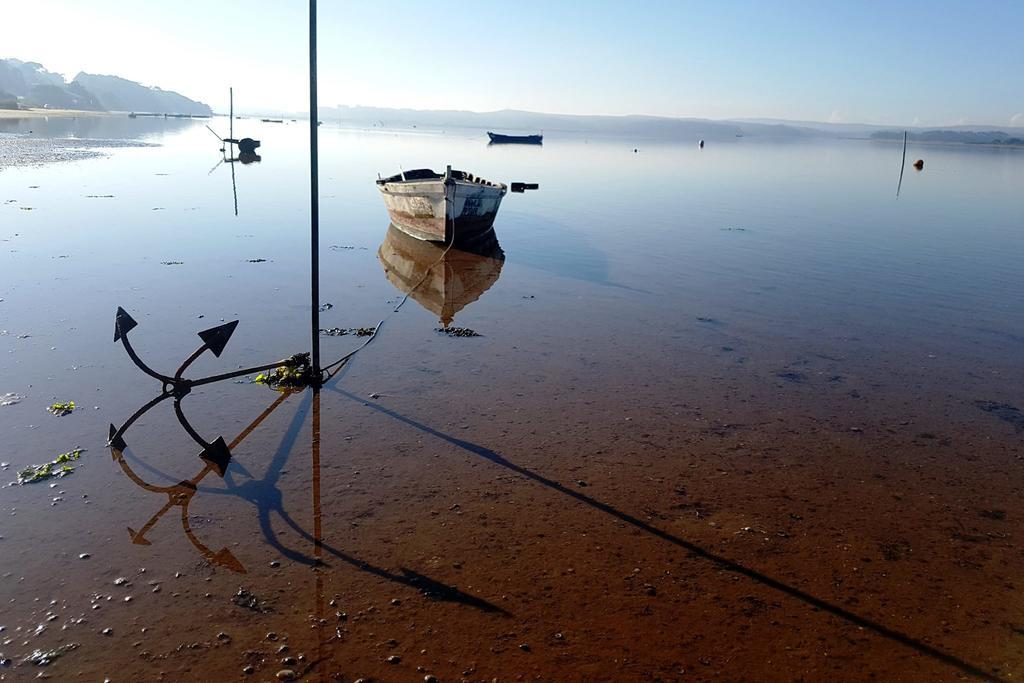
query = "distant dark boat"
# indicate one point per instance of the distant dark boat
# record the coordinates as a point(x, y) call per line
point(499, 139)
point(272, 120)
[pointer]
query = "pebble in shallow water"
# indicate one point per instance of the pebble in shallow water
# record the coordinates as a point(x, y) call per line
point(285, 675)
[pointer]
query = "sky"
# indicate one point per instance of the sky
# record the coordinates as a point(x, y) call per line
point(913, 62)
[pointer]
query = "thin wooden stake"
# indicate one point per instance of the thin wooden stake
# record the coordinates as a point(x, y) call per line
point(903, 165)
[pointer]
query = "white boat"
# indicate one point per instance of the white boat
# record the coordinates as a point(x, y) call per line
point(441, 207)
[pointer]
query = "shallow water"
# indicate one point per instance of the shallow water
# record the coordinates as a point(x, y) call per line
point(734, 399)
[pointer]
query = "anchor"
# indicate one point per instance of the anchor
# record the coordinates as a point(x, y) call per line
point(216, 454)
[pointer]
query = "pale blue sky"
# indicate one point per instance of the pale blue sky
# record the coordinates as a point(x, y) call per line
point(930, 63)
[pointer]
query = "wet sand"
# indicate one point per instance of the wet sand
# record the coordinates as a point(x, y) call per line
point(29, 151)
point(768, 537)
point(22, 146)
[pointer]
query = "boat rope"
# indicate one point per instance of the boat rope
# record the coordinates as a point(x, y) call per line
point(329, 371)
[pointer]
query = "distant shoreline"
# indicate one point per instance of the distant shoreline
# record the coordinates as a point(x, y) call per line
point(943, 143)
point(43, 113)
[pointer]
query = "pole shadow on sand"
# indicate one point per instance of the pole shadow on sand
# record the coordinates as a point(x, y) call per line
point(694, 549)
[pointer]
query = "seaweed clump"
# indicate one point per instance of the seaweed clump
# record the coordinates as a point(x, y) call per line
point(458, 332)
point(58, 467)
point(62, 409)
point(342, 331)
point(295, 373)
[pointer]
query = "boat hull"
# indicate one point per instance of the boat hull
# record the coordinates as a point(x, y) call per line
point(499, 139)
point(439, 211)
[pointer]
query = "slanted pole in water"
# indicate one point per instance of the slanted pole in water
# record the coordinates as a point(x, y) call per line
point(231, 120)
point(314, 200)
point(903, 164)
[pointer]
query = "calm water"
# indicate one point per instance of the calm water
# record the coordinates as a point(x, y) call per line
point(753, 279)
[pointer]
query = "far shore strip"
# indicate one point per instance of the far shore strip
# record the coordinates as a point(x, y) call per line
point(43, 113)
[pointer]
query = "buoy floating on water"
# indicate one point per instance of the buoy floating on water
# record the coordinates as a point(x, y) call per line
point(701, 144)
point(919, 164)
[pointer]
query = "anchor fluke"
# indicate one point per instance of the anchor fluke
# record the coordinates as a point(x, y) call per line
point(137, 538)
point(123, 323)
point(225, 558)
point(115, 441)
point(217, 455)
point(216, 338)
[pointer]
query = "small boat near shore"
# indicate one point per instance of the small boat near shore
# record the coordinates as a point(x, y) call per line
point(499, 139)
point(441, 207)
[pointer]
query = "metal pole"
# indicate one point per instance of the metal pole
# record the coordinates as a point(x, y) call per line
point(231, 118)
point(314, 197)
point(318, 534)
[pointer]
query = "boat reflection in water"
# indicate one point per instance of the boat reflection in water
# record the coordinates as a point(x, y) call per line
point(441, 280)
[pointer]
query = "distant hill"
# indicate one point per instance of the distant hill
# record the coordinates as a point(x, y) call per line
point(7, 100)
point(119, 94)
point(31, 85)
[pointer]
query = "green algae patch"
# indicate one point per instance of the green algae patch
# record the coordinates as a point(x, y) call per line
point(59, 467)
point(62, 409)
point(295, 374)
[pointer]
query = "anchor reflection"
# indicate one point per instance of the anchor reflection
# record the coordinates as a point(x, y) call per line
point(265, 494)
point(180, 495)
point(442, 280)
